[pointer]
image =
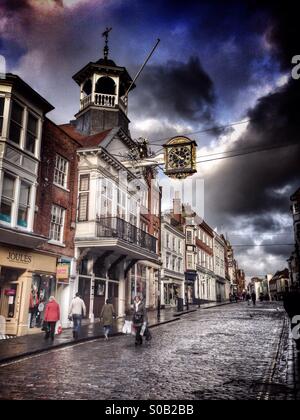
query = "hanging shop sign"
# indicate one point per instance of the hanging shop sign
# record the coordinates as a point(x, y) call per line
point(62, 273)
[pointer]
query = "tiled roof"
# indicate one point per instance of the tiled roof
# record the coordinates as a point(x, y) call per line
point(85, 141)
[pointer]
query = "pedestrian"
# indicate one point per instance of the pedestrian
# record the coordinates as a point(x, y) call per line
point(76, 312)
point(52, 315)
point(140, 320)
point(107, 315)
point(253, 297)
point(248, 298)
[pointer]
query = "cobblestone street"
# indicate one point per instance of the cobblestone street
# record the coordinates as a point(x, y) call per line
point(229, 352)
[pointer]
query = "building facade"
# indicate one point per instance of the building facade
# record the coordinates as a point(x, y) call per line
point(117, 236)
point(294, 260)
point(222, 283)
point(22, 114)
point(56, 205)
point(173, 262)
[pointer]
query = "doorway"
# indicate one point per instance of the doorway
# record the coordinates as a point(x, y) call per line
point(84, 289)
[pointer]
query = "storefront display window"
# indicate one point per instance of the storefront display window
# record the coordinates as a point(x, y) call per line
point(8, 291)
point(41, 289)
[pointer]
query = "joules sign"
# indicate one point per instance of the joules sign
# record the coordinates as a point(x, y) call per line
point(19, 257)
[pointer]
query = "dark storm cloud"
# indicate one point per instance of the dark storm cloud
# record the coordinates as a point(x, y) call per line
point(251, 185)
point(248, 185)
point(177, 90)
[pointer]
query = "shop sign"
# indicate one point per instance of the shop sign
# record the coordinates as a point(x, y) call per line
point(19, 257)
point(62, 273)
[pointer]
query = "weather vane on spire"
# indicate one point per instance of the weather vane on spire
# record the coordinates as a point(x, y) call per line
point(105, 49)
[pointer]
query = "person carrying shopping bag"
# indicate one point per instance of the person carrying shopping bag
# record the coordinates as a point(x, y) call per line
point(52, 316)
point(76, 312)
point(139, 321)
point(107, 315)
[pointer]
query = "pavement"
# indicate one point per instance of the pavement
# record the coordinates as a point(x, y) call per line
point(18, 347)
point(231, 352)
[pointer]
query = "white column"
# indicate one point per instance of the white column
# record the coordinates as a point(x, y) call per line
point(122, 290)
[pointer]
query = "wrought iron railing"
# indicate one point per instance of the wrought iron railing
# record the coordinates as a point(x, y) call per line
point(114, 227)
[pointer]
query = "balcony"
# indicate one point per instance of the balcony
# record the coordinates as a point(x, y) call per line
point(100, 99)
point(113, 227)
point(117, 235)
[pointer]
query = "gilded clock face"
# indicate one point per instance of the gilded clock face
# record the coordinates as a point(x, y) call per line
point(179, 157)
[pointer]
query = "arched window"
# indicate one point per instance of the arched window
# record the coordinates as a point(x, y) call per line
point(105, 85)
point(87, 87)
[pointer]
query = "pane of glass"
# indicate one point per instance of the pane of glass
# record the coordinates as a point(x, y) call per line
point(5, 212)
point(32, 124)
point(84, 182)
point(8, 187)
point(24, 194)
point(1, 106)
point(1, 125)
point(17, 113)
point(30, 142)
point(22, 217)
point(14, 132)
point(83, 206)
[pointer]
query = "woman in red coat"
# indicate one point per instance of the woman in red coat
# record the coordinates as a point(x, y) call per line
point(52, 315)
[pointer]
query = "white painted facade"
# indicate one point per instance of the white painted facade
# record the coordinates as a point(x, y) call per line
point(173, 259)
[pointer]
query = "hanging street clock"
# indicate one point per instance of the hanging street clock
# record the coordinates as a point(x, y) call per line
point(180, 157)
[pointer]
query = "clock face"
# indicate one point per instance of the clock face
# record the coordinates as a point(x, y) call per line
point(179, 157)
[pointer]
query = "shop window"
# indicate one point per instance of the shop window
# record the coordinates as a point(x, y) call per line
point(2, 99)
point(32, 133)
point(42, 288)
point(57, 223)
point(8, 291)
point(7, 199)
point(16, 123)
point(61, 171)
point(23, 205)
point(83, 204)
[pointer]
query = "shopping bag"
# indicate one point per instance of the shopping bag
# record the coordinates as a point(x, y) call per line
point(127, 327)
point(58, 328)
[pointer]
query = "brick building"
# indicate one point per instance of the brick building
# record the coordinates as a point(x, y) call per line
point(56, 205)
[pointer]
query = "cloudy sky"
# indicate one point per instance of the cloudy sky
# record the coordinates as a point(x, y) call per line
point(217, 63)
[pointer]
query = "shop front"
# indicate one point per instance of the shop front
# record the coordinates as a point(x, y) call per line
point(190, 284)
point(27, 280)
point(172, 291)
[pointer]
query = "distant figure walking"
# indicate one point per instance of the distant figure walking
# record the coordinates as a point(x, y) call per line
point(253, 297)
point(76, 312)
point(248, 298)
point(107, 314)
point(52, 315)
